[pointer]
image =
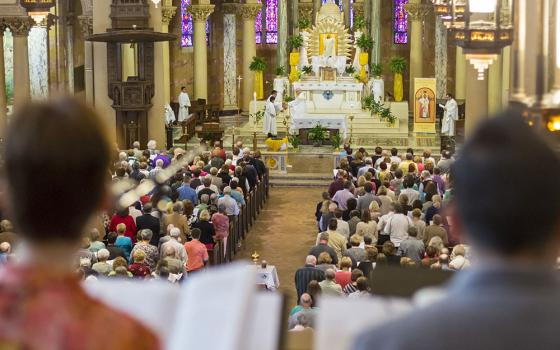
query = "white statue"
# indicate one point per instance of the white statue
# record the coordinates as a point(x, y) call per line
point(329, 45)
point(303, 59)
point(377, 89)
point(450, 116)
point(169, 114)
point(356, 64)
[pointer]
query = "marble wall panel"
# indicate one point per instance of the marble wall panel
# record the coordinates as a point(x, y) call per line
point(38, 63)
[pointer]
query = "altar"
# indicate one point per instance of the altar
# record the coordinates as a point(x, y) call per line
point(332, 96)
point(308, 121)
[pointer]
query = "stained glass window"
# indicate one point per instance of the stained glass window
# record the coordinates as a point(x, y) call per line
point(258, 27)
point(270, 22)
point(187, 28)
point(400, 22)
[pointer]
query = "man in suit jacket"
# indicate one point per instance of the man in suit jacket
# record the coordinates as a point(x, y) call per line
point(150, 222)
point(510, 300)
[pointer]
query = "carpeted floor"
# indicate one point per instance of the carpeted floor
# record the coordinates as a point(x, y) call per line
point(284, 232)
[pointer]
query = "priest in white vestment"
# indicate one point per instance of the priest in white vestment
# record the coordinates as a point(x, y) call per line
point(450, 116)
point(184, 104)
point(269, 123)
point(424, 103)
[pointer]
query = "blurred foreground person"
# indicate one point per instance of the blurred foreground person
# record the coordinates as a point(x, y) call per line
point(56, 151)
point(509, 299)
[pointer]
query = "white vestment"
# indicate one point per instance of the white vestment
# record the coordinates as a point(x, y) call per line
point(169, 114)
point(297, 106)
point(184, 104)
point(329, 47)
point(281, 85)
point(424, 107)
point(450, 116)
point(269, 123)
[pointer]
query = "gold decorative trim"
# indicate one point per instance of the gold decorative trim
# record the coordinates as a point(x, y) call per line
point(167, 14)
point(417, 12)
point(19, 25)
point(248, 11)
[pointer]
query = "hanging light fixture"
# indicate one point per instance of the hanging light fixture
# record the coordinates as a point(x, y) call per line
point(37, 9)
point(156, 2)
point(481, 27)
point(486, 27)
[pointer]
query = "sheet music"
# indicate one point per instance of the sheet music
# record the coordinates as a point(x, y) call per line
point(263, 326)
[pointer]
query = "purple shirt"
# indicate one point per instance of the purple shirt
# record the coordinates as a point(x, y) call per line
point(440, 184)
point(342, 197)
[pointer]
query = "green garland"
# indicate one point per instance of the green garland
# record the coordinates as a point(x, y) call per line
point(384, 113)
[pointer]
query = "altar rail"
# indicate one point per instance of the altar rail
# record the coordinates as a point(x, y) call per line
point(240, 225)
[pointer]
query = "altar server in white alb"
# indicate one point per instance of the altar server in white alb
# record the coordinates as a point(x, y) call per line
point(184, 104)
point(269, 123)
point(450, 116)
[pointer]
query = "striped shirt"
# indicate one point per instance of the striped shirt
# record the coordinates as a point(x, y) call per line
point(350, 288)
point(306, 274)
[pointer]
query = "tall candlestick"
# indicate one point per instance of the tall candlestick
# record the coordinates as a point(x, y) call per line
point(255, 111)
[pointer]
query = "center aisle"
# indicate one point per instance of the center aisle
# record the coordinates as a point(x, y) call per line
point(284, 232)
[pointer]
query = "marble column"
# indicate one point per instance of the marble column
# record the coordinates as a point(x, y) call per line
point(20, 27)
point(476, 96)
point(294, 18)
point(416, 13)
point(282, 47)
point(3, 96)
point(167, 13)
point(230, 57)
point(555, 63)
point(200, 13)
point(495, 86)
point(248, 12)
point(316, 7)
point(102, 102)
point(346, 9)
point(375, 26)
point(38, 59)
point(441, 57)
point(460, 74)
point(86, 23)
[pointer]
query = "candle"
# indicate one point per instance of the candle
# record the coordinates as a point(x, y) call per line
point(255, 111)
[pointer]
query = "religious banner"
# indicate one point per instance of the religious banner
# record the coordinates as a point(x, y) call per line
point(425, 105)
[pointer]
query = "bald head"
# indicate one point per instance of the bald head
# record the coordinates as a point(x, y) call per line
point(305, 300)
point(311, 260)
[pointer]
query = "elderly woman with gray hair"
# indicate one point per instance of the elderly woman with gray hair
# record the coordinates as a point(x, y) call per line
point(144, 245)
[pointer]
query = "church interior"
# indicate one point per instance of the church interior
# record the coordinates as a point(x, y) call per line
point(283, 116)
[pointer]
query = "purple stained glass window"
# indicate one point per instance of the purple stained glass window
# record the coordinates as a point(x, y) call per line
point(400, 22)
point(258, 27)
point(187, 28)
point(272, 21)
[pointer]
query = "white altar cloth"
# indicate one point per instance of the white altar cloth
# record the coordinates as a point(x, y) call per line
point(338, 62)
point(341, 97)
point(325, 86)
point(309, 121)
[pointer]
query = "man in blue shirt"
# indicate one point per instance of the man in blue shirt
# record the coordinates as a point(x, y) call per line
point(186, 192)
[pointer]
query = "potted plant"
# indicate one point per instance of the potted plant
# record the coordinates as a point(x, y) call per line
point(307, 71)
point(258, 65)
point(336, 141)
point(350, 70)
point(294, 141)
point(376, 70)
point(280, 71)
point(397, 65)
point(294, 44)
point(365, 43)
point(317, 135)
point(288, 98)
point(304, 24)
point(359, 23)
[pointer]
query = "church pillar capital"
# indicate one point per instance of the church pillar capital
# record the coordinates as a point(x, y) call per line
point(358, 8)
point(305, 10)
point(417, 11)
point(248, 12)
point(200, 12)
point(87, 7)
point(86, 25)
point(167, 14)
point(19, 25)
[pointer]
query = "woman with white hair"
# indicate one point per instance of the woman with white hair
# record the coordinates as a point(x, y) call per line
point(102, 267)
point(149, 250)
point(458, 259)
